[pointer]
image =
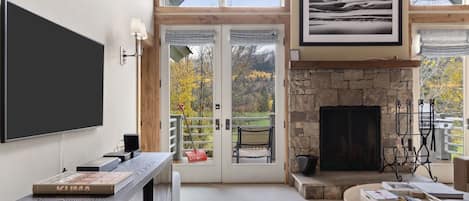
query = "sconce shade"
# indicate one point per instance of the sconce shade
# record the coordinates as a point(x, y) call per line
point(144, 34)
point(139, 31)
point(137, 28)
point(135, 25)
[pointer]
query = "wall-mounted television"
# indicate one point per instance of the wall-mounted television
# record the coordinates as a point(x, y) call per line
point(51, 77)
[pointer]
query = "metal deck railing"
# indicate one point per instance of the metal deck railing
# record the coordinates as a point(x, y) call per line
point(449, 137)
point(202, 132)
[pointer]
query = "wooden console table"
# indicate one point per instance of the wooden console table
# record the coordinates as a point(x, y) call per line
point(148, 168)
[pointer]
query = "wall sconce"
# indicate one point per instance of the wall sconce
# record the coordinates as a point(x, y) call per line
point(139, 31)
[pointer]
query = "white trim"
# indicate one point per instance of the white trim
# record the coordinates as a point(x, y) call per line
point(466, 104)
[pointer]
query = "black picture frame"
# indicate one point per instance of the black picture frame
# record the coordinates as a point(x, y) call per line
point(370, 43)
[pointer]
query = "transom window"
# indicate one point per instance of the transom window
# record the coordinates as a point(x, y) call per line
point(222, 3)
point(438, 2)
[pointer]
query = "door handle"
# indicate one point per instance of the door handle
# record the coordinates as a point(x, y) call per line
point(227, 124)
point(217, 124)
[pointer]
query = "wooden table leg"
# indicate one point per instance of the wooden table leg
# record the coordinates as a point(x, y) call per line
point(148, 191)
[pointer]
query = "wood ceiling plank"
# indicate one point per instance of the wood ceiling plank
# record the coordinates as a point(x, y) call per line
point(364, 64)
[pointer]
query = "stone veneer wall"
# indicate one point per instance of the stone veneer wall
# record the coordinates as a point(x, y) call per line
point(311, 89)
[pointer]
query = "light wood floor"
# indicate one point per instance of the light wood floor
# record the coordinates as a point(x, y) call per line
point(239, 192)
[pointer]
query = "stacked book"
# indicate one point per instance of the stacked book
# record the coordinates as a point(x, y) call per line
point(439, 190)
point(414, 191)
point(424, 190)
point(377, 195)
point(403, 189)
point(101, 164)
point(83, 183)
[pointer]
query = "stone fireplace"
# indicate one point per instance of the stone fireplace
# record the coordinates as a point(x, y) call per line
point(316, 88)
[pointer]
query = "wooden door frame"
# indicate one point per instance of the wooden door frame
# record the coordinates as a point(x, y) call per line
point(149, 97)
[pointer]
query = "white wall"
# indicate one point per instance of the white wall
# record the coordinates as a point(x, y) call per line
point(106, 21)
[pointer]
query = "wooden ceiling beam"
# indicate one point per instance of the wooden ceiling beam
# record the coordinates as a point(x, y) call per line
point(439, 8)
point(221, 19)
point(362, 64)
point(439, 18)
point(195, 10)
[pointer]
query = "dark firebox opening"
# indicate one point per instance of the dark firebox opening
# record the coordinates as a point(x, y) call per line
point(350, 138)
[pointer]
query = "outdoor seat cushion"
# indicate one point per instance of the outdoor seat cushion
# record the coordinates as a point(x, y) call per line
point(253, 152)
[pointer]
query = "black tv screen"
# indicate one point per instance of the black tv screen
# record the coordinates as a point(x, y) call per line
point(52, 77)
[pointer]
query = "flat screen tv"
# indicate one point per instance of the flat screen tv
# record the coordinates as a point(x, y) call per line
point(51, 77)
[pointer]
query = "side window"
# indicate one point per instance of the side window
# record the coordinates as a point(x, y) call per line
point(441, 78)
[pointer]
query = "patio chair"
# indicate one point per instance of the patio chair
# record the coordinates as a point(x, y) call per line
point(254, 143)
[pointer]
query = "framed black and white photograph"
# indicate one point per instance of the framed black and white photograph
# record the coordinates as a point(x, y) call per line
point(351, 22)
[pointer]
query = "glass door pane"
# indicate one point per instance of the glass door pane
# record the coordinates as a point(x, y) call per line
point(191, 84)
point(253, 103)
point(441, 78)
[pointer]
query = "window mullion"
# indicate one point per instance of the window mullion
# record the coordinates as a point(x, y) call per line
point(465, 102)
point(221, 3)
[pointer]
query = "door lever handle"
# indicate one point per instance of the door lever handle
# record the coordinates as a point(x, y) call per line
point(217, 124)
point(227, 124)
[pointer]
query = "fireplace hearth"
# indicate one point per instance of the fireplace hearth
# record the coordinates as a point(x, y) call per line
point(350, 138)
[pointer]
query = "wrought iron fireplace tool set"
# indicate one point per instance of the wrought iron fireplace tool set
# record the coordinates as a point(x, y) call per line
point(404, 153)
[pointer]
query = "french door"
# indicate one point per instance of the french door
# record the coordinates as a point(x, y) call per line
point(230, 79)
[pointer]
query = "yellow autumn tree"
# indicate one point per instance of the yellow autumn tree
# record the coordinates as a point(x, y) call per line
point(441, 79)
point(183, 82)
